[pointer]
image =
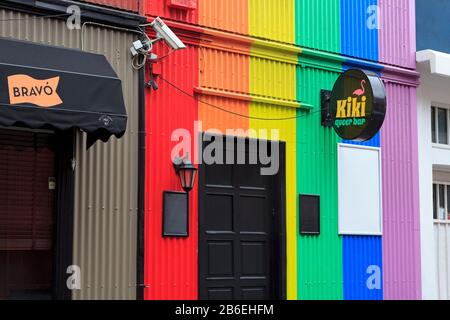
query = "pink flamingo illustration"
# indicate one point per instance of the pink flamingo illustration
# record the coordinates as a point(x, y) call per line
point(361, 91)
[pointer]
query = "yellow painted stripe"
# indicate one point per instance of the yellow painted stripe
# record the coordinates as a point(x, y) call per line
point(273, 20)
point(273, 60)
point(277, 80)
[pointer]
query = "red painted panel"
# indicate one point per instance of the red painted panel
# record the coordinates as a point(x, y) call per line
point(129, 5)
point(170, 263)
point(164, 9)
point(183, 4)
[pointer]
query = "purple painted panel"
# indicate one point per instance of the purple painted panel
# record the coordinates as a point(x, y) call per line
point(397, 34)
point(401, 236)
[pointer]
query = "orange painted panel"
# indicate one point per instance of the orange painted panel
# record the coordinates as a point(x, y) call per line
point(226, 15)
point(216, 119)
point(224, 70)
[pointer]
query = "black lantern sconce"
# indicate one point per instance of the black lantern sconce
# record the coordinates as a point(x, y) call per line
point(176, 204)
point(186, 171)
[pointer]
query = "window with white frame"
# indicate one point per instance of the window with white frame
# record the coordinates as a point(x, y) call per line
point(439, 125)
point(441, 202)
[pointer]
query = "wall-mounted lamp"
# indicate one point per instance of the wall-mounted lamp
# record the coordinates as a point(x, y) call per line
point(176, 204)
point(186, 171)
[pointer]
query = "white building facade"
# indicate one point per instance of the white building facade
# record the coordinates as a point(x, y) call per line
point(433, 107)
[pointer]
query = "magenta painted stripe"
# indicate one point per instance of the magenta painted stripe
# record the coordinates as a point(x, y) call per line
point(397, 35)
point(401, 236)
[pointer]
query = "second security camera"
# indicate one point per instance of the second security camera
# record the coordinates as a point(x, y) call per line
point(164, 32)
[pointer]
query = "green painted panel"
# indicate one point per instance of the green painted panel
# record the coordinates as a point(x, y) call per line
point(319, 258)
point(318, 24)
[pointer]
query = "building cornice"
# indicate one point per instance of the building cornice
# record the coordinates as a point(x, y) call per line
point(287, 53)
point(434, 62)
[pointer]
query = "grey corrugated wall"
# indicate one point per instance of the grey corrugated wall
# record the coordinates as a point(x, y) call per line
point(105, 215)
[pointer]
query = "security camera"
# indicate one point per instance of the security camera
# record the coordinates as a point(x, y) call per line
point(164, 32)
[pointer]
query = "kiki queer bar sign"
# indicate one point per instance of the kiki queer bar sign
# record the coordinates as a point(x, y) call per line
point(358, 105)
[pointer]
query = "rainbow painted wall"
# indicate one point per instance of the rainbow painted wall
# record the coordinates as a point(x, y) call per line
point(271, 58)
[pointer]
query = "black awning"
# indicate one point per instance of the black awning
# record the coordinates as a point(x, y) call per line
point(52, 87)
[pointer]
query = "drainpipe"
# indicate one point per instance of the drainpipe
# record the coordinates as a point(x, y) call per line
point(141, 188)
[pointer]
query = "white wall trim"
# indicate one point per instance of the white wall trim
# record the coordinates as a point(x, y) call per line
point(437, 63)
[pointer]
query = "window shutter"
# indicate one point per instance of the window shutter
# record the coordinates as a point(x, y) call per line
point(26, 203)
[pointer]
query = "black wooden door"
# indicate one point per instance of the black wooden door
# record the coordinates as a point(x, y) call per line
point(236, 232)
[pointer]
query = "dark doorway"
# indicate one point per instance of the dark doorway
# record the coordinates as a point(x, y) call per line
point(241, 229)
point(27, 214)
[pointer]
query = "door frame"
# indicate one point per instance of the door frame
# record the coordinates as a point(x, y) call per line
point(64, 212)
point(278, 249)
point(63, 148)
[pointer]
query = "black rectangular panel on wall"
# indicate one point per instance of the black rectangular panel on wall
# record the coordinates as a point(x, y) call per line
point(175, 214)
point(309, 214)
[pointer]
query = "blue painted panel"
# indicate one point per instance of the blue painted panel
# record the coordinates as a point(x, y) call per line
point(359, 33)
point(374, 142)
point(362, 255)
point(362, 268)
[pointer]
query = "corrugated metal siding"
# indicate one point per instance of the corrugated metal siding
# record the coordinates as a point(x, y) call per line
point(268, 74)
point(106, 182)
point(105, 230)
point(48, 31)
point(129, 5)
point(319, 258)
point(229, 15)
point(272, 20)
point(401, 236)
point(286, 130)
point(162, 9)
point(219, 120)
point(359, 254)
point(275, 79)
point(170, 263)
point(225, 70)
point(397, 35)
point(357, 39)
point(374, 142)
point(318, 24)
point(442, 251)
point(238, 76)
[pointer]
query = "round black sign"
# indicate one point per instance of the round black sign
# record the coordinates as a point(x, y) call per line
point(358, 105)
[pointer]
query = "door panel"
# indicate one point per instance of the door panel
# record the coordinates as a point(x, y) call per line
point(236, 231)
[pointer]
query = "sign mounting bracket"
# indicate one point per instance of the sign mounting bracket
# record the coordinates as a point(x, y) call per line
point(326, 119)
